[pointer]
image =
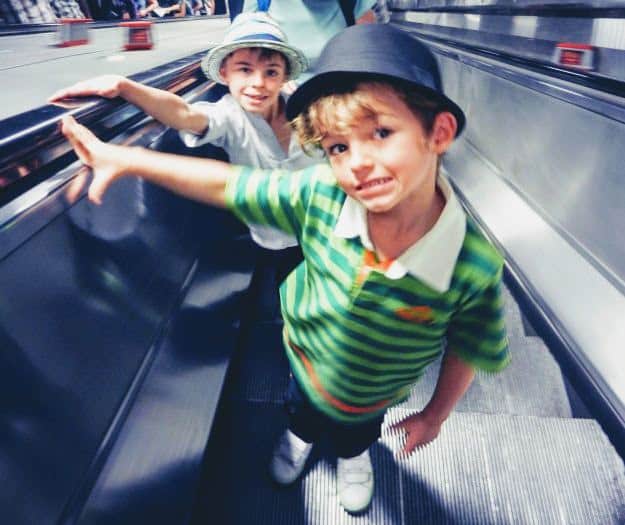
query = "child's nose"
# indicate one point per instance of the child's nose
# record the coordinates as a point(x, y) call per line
point(360, 160)
point(258, 79)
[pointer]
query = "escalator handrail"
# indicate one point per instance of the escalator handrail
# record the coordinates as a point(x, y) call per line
point(586, 79)
point(32, 148)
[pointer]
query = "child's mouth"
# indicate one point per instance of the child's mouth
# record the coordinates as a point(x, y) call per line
point(256, 98)
point(372, 184)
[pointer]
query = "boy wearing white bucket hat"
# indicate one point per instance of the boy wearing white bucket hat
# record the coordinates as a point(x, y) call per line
point(254, 60)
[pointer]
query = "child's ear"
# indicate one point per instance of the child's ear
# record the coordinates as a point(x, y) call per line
point(222, 71)
point(443, 131)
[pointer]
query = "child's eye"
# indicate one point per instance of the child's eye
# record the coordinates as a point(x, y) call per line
point(336, 149)
point(272, 73)
point(245, 69)
point(382, 133)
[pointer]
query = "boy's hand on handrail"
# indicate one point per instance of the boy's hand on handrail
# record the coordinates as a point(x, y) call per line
point(100, 156)
point(107, 86)
point(168, 108)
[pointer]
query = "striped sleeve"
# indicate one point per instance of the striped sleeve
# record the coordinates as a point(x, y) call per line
point(477, 332)
point(276, 198)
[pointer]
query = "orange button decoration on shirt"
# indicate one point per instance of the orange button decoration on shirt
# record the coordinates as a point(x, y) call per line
point(73, 32)
point(369, 263)
point(416, 314)
point(139, 35)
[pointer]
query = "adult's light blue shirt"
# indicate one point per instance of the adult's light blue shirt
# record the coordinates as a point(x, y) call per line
point(309, 24)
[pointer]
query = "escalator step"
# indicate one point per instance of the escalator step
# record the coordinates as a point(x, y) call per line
point(510, 469)
point(514, 319)
point(481, 469)
point(532, 385)
point(263, 368)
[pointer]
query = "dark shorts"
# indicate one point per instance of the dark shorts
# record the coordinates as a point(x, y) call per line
point(310, 424)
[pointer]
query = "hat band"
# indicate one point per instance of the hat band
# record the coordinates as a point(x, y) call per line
point(259, 36)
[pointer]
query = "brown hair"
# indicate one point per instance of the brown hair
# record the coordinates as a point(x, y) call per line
point(344, 107)
point(263, 53)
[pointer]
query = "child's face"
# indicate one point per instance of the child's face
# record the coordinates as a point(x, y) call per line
point(254, 81)
point(386, 161)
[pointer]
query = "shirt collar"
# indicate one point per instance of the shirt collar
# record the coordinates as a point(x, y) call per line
point(432, 258)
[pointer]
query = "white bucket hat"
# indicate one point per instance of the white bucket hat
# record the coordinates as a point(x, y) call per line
point(255, 29)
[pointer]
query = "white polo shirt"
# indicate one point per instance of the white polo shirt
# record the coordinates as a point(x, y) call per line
point(432, 258)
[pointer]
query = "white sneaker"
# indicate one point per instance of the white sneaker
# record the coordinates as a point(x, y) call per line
point(289, 458)
point(355, 482)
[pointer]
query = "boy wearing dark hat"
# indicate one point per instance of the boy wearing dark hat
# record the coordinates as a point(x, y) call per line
point(394, 275)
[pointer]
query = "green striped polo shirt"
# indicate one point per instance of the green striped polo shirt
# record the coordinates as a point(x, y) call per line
point(356, 339)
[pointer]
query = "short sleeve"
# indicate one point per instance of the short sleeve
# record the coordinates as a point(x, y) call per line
point(276, 198)
point(477, 332)
point(223, 121)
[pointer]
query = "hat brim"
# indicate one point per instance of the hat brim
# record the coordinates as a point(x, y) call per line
point(211, 63)
point(326, 83)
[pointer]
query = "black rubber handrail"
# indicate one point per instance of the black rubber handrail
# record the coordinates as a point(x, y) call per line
point(33, 149)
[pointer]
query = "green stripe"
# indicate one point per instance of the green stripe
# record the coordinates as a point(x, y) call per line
point(360, 348)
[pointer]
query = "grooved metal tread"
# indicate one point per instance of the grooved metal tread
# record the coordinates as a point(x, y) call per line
point(482, 469)
point(262, 367)
point(512, 313)
point(531, 385)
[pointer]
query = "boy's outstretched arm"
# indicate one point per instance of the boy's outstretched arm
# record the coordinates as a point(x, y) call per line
point(166, 107)
point(453, 381)
point(199, 179)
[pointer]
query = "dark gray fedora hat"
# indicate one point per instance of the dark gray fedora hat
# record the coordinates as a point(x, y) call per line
point(369, 52)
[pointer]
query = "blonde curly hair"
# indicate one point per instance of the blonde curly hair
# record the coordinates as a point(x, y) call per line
point(346, 106)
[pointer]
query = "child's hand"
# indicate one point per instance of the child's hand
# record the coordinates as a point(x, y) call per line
point(107, 86)
point(419, 431)
point(101, 157)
